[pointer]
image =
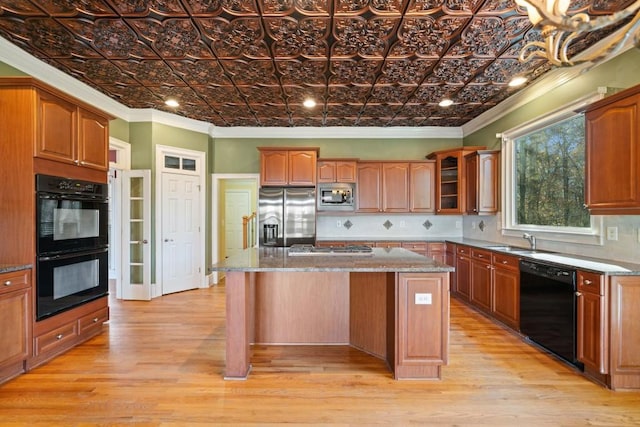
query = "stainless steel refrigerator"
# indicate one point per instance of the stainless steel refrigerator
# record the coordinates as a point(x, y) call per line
point(287, 216)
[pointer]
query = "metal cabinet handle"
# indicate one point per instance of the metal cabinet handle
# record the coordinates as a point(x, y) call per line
point(505, 262)
point(578, 294)
point(7, 283)
point(587, 282)
point(59, 336)
point(95, 320)
point(168, 240)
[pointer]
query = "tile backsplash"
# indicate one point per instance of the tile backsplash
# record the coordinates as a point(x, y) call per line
point(388, 227)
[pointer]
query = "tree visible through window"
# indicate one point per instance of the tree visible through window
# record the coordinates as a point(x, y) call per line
point(549, 181)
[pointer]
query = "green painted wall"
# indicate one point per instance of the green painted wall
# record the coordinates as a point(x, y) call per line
point(620, 72)
point(119, 129)
point(240, 155)
point(8, 71)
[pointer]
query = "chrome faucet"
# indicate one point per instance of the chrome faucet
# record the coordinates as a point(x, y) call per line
point(531, 239)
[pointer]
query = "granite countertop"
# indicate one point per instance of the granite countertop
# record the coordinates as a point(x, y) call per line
point(598, 265)
point(8, 268)
point(380, 260)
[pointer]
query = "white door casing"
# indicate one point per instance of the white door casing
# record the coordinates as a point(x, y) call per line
point(136, 235)
point(237, 205)
point(118, 163)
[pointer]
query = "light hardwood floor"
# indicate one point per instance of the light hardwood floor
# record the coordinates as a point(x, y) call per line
point(161, 362)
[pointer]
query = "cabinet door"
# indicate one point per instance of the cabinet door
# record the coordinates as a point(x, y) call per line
point(57, 124)
point(450, 259)
point(481, 284)
point(422, 187)
point(345, 171)
point(15, 316)
point(612, 166)
point(93, 140)
point(395, 187)
point(368, 191)
point(506, 295)
point(463, 274)
point(488, 183)
point(591, 328)
point(437, 251)
point(273, 167)
point(302, 168)
point(450, 176)
point(326, 171)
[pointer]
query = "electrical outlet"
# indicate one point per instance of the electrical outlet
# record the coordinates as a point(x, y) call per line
point(638, 235)
point(473, 225)
point(612, 233)
point(403, 224)
point(423, 299)
point(458, 224)
point(338, 223)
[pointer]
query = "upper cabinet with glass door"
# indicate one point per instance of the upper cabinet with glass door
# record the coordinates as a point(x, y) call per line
point(451, 179)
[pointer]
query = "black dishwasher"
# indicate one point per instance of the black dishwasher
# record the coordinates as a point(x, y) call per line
point(548, 307)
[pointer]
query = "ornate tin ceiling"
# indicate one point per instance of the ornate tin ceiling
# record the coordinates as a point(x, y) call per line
point(254, 62)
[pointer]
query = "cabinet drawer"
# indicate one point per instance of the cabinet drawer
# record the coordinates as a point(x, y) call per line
point(14, 280)
point(57, 338)
point(506, 261)
point(93, 320)
point(415, 246)
point(481, 254)
point(590, 282)
point(388, 245)
point(437, 246)
point(463, 250)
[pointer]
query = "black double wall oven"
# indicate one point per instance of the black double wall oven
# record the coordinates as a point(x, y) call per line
point(72, 243)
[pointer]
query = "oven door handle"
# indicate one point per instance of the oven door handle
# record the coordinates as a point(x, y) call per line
point(72, 196)
point(67, 255)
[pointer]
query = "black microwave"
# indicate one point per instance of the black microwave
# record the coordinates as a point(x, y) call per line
point(336, 197)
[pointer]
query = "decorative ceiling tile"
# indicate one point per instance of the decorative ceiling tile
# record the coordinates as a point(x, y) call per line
point(112, 38)
point(200, 72)
point(301, 72)
point(253, 62)
point(75, 8)
point(292, 38)
point(237, 39)
point(251, 72)
point(348, 94)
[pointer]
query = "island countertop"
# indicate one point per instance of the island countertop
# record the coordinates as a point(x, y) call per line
point(380, 260)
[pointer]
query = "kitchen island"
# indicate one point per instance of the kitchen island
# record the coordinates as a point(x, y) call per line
point(390, 303)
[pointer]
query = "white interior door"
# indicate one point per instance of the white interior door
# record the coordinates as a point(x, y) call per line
point(237, 205)
point(181, 198)
point(136, 234)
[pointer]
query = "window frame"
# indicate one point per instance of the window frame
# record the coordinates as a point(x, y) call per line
point(592, 235)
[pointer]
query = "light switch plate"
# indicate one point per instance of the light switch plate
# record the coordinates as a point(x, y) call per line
point(612, 233)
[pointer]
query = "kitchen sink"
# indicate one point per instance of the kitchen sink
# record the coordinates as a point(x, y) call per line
point(507, 248)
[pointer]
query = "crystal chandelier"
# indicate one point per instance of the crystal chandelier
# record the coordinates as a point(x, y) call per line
point(559, 30)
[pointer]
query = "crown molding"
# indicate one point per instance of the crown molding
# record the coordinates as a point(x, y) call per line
point(338, 132)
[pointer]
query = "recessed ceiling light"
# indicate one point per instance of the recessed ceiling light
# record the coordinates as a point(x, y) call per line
point(171, 103)
point(309, 103)
point(517, 81)
point(446, 103)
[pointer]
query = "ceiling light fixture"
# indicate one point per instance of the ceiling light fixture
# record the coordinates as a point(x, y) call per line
point(171, 103)
point(446, 103)
point(309, 103)
point(517, 81)
point(559, 30)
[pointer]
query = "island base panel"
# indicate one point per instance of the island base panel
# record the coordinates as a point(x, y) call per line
point(239, 315)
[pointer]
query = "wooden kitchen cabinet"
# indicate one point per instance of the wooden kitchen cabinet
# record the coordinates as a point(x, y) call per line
point(288, 167)
point(450, 259)
point(422, 187)
point(463, 272)
point(336, 171)
point(395, 187)
point(15, 318)
point(369, 187)
point(505, 304)
point(451, 179)
point(612, 154)
point(482, 186)
point(71, 134)
point(592, 322)
point(57, 334)
point(481, 279)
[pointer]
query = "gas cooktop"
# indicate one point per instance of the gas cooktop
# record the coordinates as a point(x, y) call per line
point(310, 250)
